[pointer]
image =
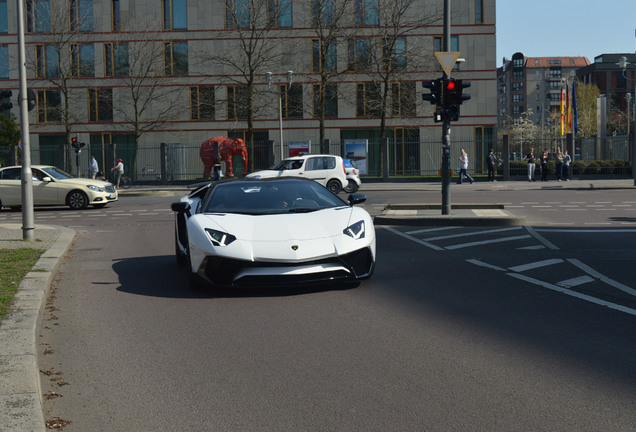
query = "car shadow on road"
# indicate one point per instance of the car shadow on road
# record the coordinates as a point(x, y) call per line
point(161, 276)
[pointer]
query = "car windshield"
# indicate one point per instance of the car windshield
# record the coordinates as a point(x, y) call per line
point(57, 173)
point(270, 197)
point(288, 164)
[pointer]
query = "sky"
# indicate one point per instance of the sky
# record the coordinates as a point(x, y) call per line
point(559, 28)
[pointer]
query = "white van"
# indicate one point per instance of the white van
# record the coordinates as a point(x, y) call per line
point(328, 170)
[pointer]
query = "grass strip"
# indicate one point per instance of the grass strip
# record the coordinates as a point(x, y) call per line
point(14, 265)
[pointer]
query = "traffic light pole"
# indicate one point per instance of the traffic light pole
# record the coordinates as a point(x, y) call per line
point(446, 129)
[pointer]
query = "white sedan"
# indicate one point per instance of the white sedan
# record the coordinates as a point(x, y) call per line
point(54, 187)
point(276, 232)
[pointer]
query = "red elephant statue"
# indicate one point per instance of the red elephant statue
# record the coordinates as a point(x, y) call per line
point(226, 149)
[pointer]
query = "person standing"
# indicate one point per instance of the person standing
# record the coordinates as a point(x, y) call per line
point(559, 164)
point(566, 166)
point(119, 171)
point(93, 168)
point(544, 165)
point(493, 162)
point(464, 167)
point(531, 164)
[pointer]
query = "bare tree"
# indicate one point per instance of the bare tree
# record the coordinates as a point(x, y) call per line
point(250, 47)
point(141, 66)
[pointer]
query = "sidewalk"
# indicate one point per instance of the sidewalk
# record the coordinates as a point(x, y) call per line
point(20, 394)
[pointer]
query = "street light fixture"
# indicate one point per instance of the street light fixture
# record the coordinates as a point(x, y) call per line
point(622, 63)
point(290, 79)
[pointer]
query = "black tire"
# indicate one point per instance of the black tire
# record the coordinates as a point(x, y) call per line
point(77, 200)
point(125, 182)
point(352, 187)
point(334, 186)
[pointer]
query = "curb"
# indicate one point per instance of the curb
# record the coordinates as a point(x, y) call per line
point(20, 391)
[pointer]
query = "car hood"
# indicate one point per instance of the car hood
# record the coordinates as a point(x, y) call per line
point(268, 174)
point(282, 227)
point(83, 182)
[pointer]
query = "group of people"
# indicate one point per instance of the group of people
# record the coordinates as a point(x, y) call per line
point(562, 165)
point(118, 169)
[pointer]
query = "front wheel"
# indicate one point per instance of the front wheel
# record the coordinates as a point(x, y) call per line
point(125, 182)
point(352, 187)
point(77, 200)
point(334, 186)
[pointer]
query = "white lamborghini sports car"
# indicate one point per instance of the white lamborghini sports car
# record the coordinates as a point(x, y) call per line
point(276, 232)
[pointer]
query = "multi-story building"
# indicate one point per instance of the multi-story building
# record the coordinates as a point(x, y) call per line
point(611, 79)
point(530, 87)
point(136, 74)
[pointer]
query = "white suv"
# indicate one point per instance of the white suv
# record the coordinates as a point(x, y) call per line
point(328, 170)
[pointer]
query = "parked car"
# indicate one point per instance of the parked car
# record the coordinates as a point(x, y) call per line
point(328, 170)
point(282, 231)
point(353, 176)
point(54, 187)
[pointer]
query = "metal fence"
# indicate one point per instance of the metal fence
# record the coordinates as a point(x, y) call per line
point(179, 162)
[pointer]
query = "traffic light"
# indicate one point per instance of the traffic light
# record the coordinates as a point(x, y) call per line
point(453, 97)
point(76, 145)
point(5, 104)
point(434, 97)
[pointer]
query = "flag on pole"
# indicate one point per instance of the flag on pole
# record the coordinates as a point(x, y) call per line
point(575, 125)
point(568, 110)
point(562, 113)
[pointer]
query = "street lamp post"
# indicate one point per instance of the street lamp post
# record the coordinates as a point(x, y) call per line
point(622, 63)
point(290, 77)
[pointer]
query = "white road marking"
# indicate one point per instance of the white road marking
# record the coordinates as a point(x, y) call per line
point(432, 230)
point(466, 234)
point(587, 269)
point(535, 265)
point(480, 243)
point(416, 240)
point(573, 282)
point(541, 239)
point(483, 264)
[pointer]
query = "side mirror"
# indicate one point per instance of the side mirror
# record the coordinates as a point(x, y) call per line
point(47, 179)
point(356, 199)
point(181, 207)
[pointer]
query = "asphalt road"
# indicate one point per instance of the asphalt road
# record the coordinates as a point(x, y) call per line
point(459, 329)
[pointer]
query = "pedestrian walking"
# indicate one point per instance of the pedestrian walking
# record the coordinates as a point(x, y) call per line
point(93, 168)
point(558, 164)
point(544, 165)
point(531, 164)
point(493, 162)
point(566, 166)
point(119, 171)
point(464, 167)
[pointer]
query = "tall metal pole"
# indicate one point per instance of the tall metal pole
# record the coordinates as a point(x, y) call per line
point(446, 198)
point(280, 118)
point(27, 184)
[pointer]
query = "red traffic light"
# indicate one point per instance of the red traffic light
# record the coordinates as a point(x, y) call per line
point(450, 85)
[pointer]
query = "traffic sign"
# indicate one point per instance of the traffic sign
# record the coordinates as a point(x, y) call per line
point(447, 60)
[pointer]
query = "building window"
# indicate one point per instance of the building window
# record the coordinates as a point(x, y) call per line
point(403, 99)
point(114, 13)
point(237, 102)
point(324, 55)
point(555, 73)
point(175, 15)
point(394, 57)
point(516, 110)
point(368, 98)
point(83, 60)
point(517, 75)
point(479, 11)
point(517, 86)
point(279, 13)
point(81, 15)
point(116, 60)
point(359, 59)
point(331, 100)
point(454, 47)
point(517, 63)
point(100, 105)
point(237, 14)
point(4, 21)
point(38, 16)
point(517, 98)
point(292, 101)
point(367, 13)
point(49, 107)
point(202, 103)
point(176, 58)
point(47, 62)
point(4, 61)
point(323, 12)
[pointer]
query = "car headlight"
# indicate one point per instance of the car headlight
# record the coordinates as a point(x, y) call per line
point(219, 238)
point(95, 188)
point(355, 231)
